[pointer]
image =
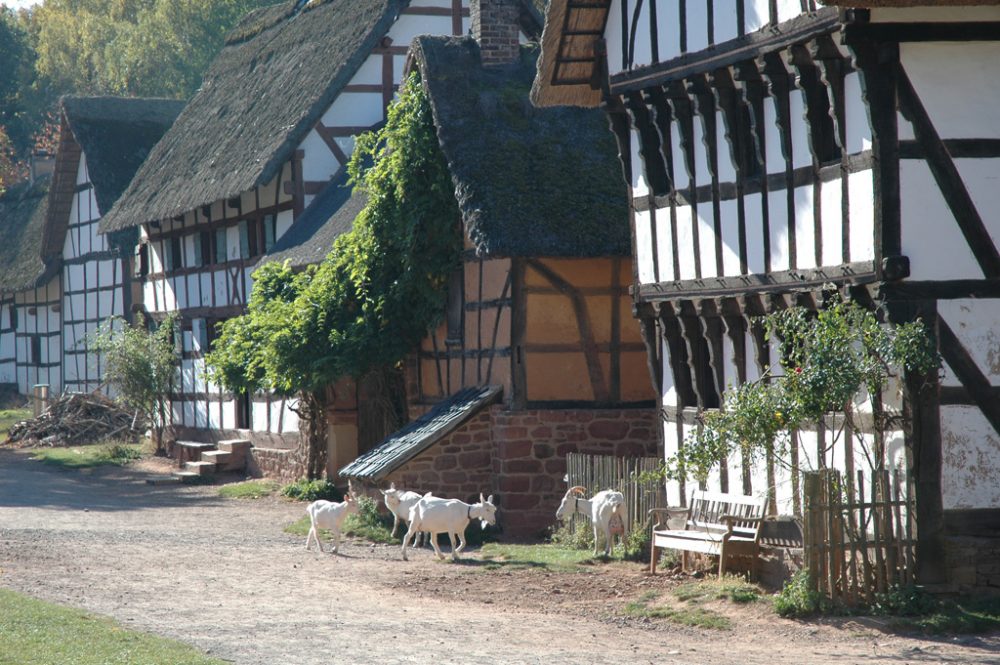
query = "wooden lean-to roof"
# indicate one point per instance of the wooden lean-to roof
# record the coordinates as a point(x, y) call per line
point(571, 68)
point(116, 134)
point(23, 211)
point(529, 182)
point(405, 444)
point(279, 71)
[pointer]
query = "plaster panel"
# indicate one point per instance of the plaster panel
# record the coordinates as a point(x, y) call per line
point(942, 72)
point(775, 160)
point(756, 15)
point(726, 27)
point(777, 207)
point(862, 211)
point(665, 247)
point(643, 49)
point(558, 376)
point(929, 229)
point(832, 219)
point(801, 156)
point(613, 37)
point(644, 246)
point(805, 228)
point(982, 180)
point(727, 170)
point(970, 468)
point(697, 26)
point(730, 238)
point(976, 323)
point(754, 218)
point(639, 184)
point(667, 31)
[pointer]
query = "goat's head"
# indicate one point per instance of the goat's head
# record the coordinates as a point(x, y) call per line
point(568, 505)
point(352, 505)
point(487, 511)
point(391, 496)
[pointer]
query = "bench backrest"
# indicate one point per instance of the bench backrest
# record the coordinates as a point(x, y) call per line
point(707, 509)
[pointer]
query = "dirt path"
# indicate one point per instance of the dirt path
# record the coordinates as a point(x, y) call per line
point(223, 576)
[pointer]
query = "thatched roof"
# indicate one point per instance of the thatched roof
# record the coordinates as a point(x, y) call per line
point(22, 217)
point(116, 134)
point(402, 446)
point(571, 33)
point(330, 215)
point(529, 182)
point(278, 72)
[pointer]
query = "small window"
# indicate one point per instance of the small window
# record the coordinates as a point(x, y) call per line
point(244, 240)
point(141, 260)
point(204, 246)
point(211, 333)
point(456, 302)
point(221, 246)
point(270, 232)
point(254, 237)
point(35, 350)
point(173, 255)
point(13, 317)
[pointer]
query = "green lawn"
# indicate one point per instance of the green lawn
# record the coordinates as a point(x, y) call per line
point(85, 457)
point(250, 489)
point(10, 416)
point(33, 632)
point(544, 557)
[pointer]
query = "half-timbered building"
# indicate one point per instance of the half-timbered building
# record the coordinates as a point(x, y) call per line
point(271, 127)
point(537, 355)
point(774, 147)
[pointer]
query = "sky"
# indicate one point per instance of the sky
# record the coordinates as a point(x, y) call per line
point(19, 4)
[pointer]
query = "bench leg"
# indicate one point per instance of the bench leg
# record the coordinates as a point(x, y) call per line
point(652, 559)
point(684, 561)
point(722, 560)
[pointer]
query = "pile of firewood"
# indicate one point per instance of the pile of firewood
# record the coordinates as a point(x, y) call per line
point(76, 419)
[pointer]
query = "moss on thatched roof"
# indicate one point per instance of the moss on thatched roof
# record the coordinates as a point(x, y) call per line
point(22, 219)
point(529, 182)
point(278, 72)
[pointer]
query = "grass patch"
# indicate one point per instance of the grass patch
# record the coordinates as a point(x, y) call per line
point(733, 589)
point(251, 489)
point(367, 524)
point(9, 417)
point(86, 457)
point(977, 615)
point(545, 557)
point(697, 617)
point(33, 632)
point(311, 490)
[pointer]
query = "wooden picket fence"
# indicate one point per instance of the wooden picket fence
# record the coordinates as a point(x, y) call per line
point(635, 477)
point(858, 540)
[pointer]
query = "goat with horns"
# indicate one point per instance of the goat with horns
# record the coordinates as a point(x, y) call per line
point(602, 509)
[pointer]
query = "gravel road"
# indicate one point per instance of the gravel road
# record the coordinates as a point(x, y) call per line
point(221, 575)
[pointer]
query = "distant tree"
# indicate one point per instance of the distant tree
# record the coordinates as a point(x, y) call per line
point(133, 47)
point(17, 73)
point(142, 366)
point(11, 169)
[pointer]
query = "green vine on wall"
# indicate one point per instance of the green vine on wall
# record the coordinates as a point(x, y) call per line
point(377, 293)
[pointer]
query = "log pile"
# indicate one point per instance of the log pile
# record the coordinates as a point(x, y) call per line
point(76, 419)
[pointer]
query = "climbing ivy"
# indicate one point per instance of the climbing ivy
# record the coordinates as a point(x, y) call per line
point(830, 361)
point(378, 291)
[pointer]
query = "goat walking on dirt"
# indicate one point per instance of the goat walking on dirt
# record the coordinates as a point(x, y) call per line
point(601, 509)
point(329, 515)
point(449, 516)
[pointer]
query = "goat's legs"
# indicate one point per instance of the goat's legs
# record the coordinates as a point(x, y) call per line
point(461, 540)
point(454, 550)
point(395, 524)
point(336, 542)
point(434, 542)
point(314, 532)
point(406, 540)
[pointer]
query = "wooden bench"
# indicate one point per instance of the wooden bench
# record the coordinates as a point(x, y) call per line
point(726, 525)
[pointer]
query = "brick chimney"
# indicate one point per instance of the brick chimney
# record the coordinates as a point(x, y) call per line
point(495, 26)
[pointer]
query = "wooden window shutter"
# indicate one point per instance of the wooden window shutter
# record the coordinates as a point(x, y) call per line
point(221, 246)
point(270, 232)
point(244, 240)
point(456, 302)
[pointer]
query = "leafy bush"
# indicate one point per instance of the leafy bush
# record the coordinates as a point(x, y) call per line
point(311, 490)
point(580, 538)
point(116, 452)
point(904, 601)
point(797, 600)
point(369, 523)
point(636, 545)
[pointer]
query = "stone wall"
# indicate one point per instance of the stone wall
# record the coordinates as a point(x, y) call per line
point(279, 464)
point(973, 564)
point(530, 449)
point(459, 466)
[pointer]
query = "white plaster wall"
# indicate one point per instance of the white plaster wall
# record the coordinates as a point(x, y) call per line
point(667, 31)
point(970, 467)
point(976, 323)
point(706, 241)
point(805, 228)
point(778, 222)
point(831, 219)
point(862, 222)
point(753, 207)
point(644, 246)
point(664, 241)
point(613, 37)
point(685, 239)
point(697, 27)
point(929, 230)
point(729, 214)
point(639, 185)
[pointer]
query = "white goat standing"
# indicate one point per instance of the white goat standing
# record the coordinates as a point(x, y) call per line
point(399, 503)
point(449, 516)
point(328, 515)
point(601, 509)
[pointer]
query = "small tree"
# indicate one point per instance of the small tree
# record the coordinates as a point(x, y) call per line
point(830, 360)
point(142, 366)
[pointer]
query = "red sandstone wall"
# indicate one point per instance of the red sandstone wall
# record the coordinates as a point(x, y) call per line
point(530, 449)
point(459, 466)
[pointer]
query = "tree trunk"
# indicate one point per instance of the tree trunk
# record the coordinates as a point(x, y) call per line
point(313, 432)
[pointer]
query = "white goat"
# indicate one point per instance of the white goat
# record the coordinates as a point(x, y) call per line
point(449, 516)
point(600, 509)
point(328, 515)
point(399, 503)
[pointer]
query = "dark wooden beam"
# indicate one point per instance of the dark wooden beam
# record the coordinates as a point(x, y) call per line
point(975, 382)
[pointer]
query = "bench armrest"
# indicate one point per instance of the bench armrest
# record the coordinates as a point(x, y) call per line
point(667, 512)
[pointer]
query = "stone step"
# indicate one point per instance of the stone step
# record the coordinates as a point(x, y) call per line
point(186, 476)
point(234, 445)
point(194, 445)
point(200, 468)
point(188, 451)
point(219, 457)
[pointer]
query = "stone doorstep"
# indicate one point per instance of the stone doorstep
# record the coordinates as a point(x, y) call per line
point(234, 445)
point(216, 456)
point(194, 445)
point(200, 468)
